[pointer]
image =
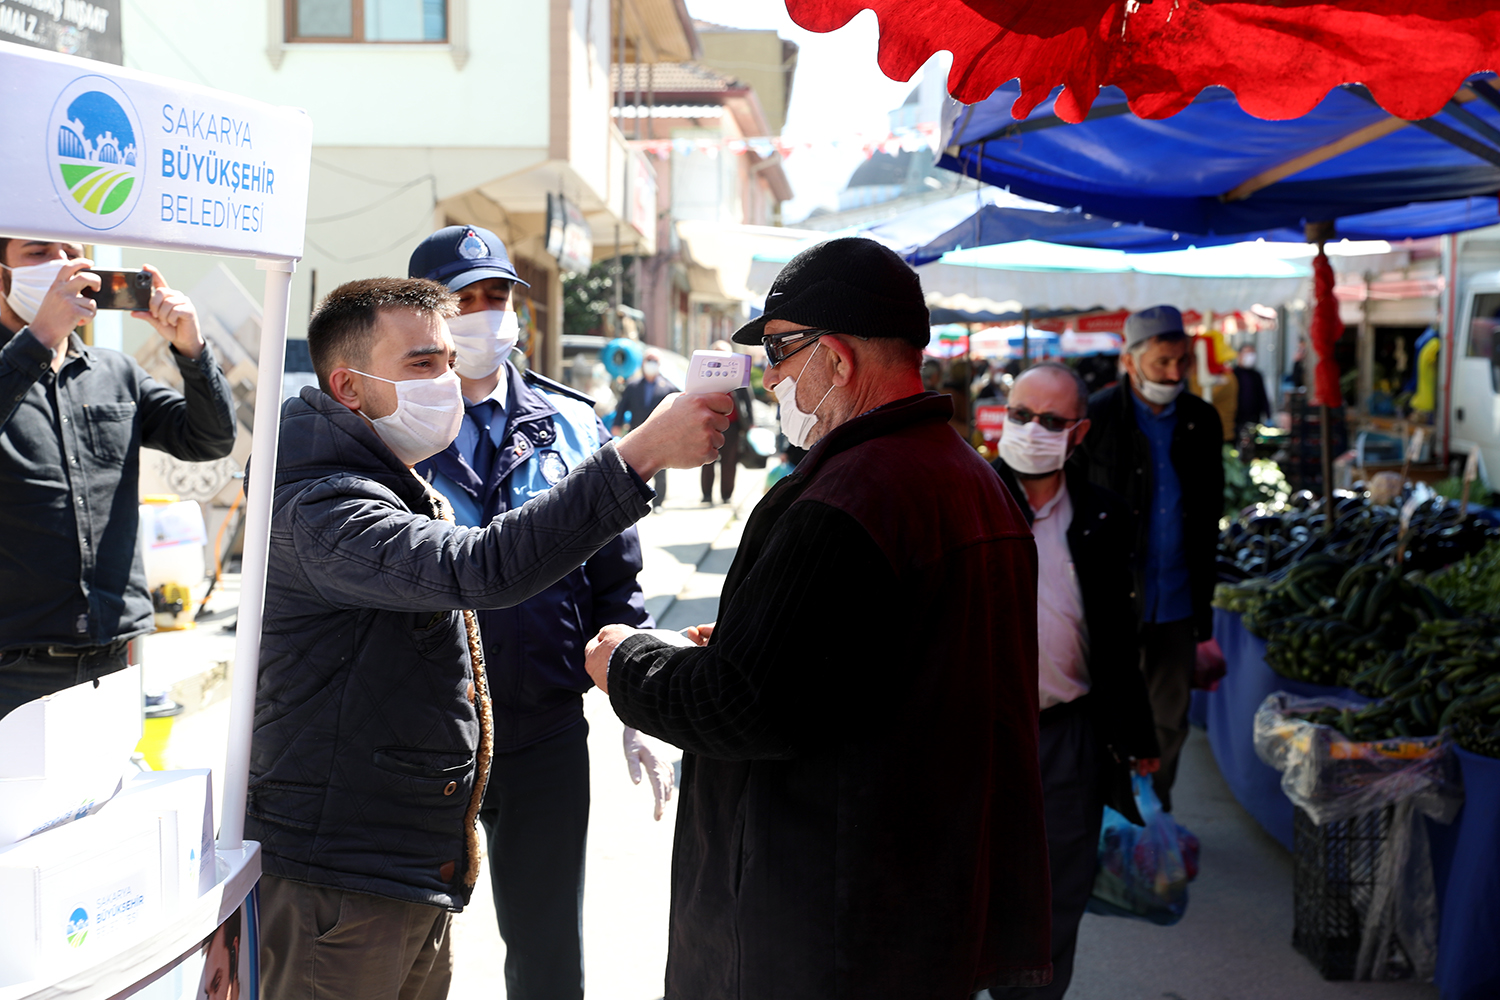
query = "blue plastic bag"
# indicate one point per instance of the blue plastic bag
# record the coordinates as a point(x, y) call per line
point(1144, 871)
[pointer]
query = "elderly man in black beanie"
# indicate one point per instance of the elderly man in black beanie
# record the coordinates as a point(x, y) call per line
point(861, 808)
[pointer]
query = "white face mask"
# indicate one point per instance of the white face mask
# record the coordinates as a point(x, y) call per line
point(428, 414)
point(650, 368)
point(1247, 360)
point(796, 424)
point(483, 340)
point(29, 285)
point(1032, 449)
point(1160, 393)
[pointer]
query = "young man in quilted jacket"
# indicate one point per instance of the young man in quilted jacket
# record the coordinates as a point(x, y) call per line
point(373, 731)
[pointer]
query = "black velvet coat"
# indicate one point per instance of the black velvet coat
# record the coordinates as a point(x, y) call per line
point(861, 807)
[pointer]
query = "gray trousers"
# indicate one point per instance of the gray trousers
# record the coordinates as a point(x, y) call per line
point(1074, 812)
point(319, 943)
point(1168, 653)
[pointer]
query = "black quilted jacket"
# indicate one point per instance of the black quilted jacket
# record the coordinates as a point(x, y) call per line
point(367, 738)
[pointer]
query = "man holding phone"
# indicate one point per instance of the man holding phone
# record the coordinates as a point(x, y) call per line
point(73, 419)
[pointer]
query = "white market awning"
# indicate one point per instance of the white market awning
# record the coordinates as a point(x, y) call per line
point(1034, 275)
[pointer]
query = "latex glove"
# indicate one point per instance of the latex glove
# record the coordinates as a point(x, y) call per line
point(637, 756)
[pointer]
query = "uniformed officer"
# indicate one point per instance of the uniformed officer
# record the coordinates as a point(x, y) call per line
point(521, 435)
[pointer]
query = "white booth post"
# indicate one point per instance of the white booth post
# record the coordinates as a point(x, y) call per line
point(100, 154)
point(259, 484)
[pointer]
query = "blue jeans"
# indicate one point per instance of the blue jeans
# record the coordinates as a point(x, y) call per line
point(28, 674)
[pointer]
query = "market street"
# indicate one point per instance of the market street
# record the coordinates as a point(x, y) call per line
point(1233, 944)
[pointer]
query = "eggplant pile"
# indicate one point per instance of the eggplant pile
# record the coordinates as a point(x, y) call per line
point(1267, 542)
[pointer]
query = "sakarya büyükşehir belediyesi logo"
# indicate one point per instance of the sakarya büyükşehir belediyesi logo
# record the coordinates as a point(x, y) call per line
point(78, 927)
point(93, 138)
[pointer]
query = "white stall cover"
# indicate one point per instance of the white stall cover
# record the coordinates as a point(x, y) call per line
point(1008, 277)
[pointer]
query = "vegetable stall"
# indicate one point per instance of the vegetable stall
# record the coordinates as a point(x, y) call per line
point(1380, 621)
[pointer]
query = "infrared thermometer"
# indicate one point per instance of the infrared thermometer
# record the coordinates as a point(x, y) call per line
point(717, 371)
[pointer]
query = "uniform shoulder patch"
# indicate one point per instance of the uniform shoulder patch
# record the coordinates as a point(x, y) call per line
point(549, 385)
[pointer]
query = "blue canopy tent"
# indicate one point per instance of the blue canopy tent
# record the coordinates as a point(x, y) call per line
point(992, 216)
point(1213, 170)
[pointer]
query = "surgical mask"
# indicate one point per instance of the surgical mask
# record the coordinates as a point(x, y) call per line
point(483, 340)
point(1032, 449)
point(1247, 360)
point(796, 424)
point(1160, 393)
point(29, 285)
point(650, 368)
point(428, 414)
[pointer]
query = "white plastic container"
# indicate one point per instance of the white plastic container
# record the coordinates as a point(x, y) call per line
point(77, 894)
point(62, 756)
point(183, 801)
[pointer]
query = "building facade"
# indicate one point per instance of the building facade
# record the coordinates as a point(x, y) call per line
point(429, 113)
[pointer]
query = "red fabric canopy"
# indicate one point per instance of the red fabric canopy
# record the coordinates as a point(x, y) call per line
point(1279, 56)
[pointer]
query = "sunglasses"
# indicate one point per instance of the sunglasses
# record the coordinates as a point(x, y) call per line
point(776, 346)
point(1050, 421)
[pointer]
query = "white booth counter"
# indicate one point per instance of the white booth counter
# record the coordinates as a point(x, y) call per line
point(171, 957)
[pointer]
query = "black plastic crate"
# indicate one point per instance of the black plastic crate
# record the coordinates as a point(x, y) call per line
point(1333, 880)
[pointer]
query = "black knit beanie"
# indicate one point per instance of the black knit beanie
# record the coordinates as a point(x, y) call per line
point(851, 285)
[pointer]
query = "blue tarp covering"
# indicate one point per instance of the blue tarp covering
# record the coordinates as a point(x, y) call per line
point(1247, 682)
point(1170, 174)
point(1468, 965)
point(990, 216)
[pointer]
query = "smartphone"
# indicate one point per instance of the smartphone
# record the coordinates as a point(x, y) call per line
point(121, 289)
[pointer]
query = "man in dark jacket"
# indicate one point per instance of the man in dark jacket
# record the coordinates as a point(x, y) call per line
point(72, 424)
point(373, 731)
point(1096, 720)
point(640, 399)
point(877, 634)
point(1160, 449)
point(521, 434)
point(1253, 406)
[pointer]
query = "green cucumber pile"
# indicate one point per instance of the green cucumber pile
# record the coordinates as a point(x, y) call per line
point(1472, 585)
point(1446, 677)
point(1427, 648)
point(1324, 620)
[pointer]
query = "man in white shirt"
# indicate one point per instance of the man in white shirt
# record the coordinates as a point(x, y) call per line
point(1095, 722)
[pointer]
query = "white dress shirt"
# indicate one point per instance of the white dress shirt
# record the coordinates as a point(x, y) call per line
point(1062, 632)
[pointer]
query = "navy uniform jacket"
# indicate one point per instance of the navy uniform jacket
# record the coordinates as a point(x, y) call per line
point(534, 652)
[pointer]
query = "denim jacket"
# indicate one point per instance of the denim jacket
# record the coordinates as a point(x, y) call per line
point(70, 457)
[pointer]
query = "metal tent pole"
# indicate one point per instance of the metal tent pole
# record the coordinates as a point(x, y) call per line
point(258, 488)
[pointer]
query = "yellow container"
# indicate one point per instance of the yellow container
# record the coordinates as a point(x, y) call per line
point(161, 712)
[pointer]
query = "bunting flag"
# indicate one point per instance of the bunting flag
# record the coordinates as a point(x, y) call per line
point(907, 139)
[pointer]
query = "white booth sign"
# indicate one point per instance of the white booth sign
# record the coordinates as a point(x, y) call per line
point(116, 156)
